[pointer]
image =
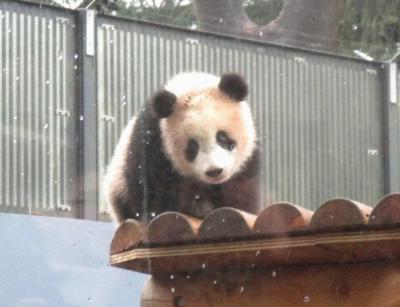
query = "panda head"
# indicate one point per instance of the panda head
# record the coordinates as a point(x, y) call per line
point(206, 126)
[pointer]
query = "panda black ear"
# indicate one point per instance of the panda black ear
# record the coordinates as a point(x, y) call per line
point(163, 103)
point(234, 86)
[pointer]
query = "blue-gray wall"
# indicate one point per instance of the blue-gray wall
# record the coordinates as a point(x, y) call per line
point(58, 262)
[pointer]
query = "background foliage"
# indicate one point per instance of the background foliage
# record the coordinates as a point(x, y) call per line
point(368, 28)
point(371, 26)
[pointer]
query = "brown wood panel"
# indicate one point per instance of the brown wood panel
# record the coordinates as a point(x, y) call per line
point(171, 228)
point(387, 212)
point(371, 284)
point(309, 249)
point(128, 235)
point(340, 214)
point(226, 224)
point(281, 218)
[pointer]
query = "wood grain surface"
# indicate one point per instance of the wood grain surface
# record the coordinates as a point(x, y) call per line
point(370, 284)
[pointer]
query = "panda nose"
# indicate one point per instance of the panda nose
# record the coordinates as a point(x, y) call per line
point(214, 172)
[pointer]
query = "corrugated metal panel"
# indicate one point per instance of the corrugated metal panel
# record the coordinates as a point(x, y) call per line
point(319, 118)
point(398, 91)
point(38, 110)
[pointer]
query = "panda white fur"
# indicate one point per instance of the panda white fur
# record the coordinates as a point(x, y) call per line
point(191, 149)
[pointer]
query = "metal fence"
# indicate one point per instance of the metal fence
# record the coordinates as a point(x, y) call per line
point(38, 94)
point(327, 125)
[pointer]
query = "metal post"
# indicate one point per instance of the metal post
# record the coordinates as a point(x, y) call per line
point(392, 131)
point(88, 117)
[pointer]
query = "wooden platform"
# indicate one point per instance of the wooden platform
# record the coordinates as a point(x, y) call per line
point(343, 254)
point(341, 230)
point(371, 284)
point(310, 249)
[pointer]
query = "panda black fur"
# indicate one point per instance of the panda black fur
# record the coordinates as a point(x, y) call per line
point(191, 149)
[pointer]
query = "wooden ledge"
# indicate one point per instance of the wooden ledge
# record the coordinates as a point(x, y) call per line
point(171, 228)
point(386, 212)
point(340, 230)
point(309, 249)
point(128, 235)
point(281, 218)
point(226, 224)
point(340, 214)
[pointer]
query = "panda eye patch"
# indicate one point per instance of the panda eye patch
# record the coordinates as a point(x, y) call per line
point(225, 141)
point(192, 149)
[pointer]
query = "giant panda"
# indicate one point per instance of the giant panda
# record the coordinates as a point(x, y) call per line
point(191, 149)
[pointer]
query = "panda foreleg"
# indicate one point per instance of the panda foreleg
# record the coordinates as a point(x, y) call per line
point(115, 185)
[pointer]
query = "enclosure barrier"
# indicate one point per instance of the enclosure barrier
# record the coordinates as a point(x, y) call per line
point(70, 81)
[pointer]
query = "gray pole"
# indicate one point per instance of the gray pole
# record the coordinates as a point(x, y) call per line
point(88, 117)
point(392, 139)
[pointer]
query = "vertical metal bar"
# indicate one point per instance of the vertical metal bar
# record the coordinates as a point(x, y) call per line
point(58, 108)
point(2, 133)
point(128, 83)
point(28, 118)
point(101, 92)
point(116, 78)
point(392, 133)
point(61, 182)
point(8, 100)
point(20, 117)
point(13, 110)
point(51, 111)
point(90, 32)
point(35, 114)
point(43, 117)
point(88, 126)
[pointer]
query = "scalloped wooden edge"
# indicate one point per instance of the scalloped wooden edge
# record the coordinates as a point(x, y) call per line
point(128, 235)
point(171, 227)
point(226, 222)
point(386, 212)
point(309, 249)
point(340, 214)
point(282, 217)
